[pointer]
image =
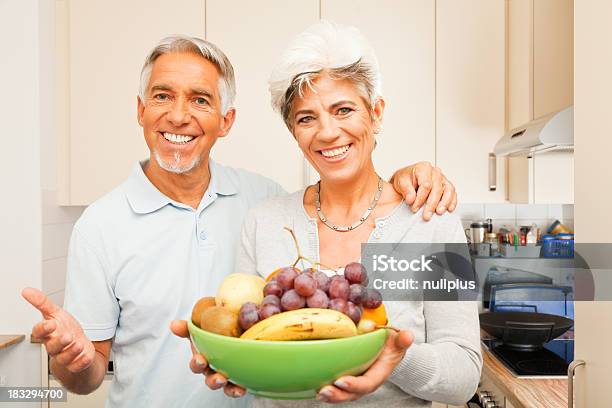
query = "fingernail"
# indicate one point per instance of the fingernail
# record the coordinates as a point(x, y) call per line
point(199, 360)
point(236, 394)
point(441, 208)
point(428, 214)
point(219, 381)
point(324, 395)
point(340, 384)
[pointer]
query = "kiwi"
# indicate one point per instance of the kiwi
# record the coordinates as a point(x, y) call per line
point(220, 320)
point(199, 307)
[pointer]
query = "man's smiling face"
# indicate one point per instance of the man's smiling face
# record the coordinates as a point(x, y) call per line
point(181, 116)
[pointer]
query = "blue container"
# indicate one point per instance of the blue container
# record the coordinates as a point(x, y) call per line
point(558, 246)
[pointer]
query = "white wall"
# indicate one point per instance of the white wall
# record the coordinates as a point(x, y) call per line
point(517, 214)
point(20, 215)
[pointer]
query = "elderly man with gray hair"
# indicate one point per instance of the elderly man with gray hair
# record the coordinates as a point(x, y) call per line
point(142, 255)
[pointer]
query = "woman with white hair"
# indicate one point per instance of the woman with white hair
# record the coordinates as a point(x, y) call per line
point(327, 89)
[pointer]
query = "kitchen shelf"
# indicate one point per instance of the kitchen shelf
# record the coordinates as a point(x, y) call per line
point(8, 340)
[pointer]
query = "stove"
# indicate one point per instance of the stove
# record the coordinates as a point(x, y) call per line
point(551, 361)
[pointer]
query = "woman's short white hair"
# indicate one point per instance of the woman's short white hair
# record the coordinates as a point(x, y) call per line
point(208, 50)
point(338, 50)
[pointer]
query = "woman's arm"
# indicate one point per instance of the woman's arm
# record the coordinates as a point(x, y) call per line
point(446, 368)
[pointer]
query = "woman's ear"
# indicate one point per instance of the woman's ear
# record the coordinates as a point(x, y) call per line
point(377, 113)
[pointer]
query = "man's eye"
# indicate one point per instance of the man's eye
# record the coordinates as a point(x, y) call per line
point(161, 97)
point(344, 111)
point(201, 101)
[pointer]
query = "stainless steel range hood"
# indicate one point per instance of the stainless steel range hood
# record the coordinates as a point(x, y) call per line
point(550, 132)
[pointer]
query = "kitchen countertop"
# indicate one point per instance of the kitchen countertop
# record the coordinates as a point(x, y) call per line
point(524, 392)
point(7, 340)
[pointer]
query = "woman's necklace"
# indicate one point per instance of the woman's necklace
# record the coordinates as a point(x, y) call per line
point(356, 224)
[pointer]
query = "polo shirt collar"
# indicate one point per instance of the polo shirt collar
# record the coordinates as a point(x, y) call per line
point(145, 198)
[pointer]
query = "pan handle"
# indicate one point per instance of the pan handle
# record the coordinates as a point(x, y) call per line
point(570, 381)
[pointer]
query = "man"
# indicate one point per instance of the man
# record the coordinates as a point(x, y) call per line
point(144, 253)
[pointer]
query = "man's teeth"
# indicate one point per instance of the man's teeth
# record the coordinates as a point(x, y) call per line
point(335, 152)
point(171, 137)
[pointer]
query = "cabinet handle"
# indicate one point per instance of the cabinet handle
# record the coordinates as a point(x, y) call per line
point(492, 172)
point(570, 381)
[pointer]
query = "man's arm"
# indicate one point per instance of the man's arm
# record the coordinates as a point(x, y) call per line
point(76, 361)
point(423, 184)
point(88, 380)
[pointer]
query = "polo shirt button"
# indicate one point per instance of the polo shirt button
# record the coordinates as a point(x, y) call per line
point(203, 235)
point(377, 235)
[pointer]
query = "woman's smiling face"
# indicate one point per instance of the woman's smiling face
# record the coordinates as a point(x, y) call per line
point(335, 128)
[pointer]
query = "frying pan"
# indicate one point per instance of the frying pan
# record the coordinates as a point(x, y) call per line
point(525, 331)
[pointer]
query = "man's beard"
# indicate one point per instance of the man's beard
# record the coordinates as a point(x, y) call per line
point(174, 167)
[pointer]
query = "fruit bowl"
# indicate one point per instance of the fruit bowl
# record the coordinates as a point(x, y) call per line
point(287, 369)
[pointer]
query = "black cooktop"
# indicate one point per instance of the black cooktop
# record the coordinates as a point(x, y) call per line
point(550, 361)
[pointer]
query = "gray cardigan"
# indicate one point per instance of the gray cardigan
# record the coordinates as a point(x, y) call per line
point(445, 360)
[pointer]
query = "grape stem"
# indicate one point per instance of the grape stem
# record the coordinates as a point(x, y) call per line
point(302, 257)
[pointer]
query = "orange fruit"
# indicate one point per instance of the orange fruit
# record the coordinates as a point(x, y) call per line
point(378, 315)
point(273, 274)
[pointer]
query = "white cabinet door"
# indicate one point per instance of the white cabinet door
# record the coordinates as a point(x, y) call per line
point(470, 94)
point(253, 34)
point(101, 48)
point(553, 56)
point(520, 62)
point(403, 36)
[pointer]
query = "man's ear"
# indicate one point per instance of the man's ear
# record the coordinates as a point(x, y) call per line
point(227, 121)
point(140, 111)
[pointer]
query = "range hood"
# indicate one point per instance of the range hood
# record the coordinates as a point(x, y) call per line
point(551, 132)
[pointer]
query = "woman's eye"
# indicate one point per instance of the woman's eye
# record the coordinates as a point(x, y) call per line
point(305, 119)
point(344, 111)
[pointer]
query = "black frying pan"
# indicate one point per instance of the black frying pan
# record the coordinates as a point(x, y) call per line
point(521, 330)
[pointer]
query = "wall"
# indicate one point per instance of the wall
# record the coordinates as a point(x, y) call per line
point(516, 214)
point(20, 215)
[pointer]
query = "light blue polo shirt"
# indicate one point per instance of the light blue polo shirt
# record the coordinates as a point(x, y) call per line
point(138, 260)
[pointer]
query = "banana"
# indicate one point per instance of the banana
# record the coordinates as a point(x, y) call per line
point(303, 324)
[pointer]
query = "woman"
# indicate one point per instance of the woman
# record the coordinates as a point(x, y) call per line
point(327, 89)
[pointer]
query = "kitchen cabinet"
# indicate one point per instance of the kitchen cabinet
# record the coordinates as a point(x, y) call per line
point(253, 36)
point(100, 48)
point(540, 81)
point(443, 81)
point(540, 58)
point(541, 178)
point(470, 94)
point(406, 53)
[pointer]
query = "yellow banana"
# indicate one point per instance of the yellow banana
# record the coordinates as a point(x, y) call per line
point(303, 324)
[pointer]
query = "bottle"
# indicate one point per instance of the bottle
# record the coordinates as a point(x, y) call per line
point(532, 235)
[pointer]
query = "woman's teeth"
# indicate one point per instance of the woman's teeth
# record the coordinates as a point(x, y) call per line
point(335, 152)
point(171, 137)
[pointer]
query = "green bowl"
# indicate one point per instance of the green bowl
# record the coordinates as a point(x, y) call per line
point(287, 369)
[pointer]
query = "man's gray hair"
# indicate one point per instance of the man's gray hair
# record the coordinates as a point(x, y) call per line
point(338, 50)
point(208, 50)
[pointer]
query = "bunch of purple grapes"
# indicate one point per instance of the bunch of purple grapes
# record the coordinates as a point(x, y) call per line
point(291, 289)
